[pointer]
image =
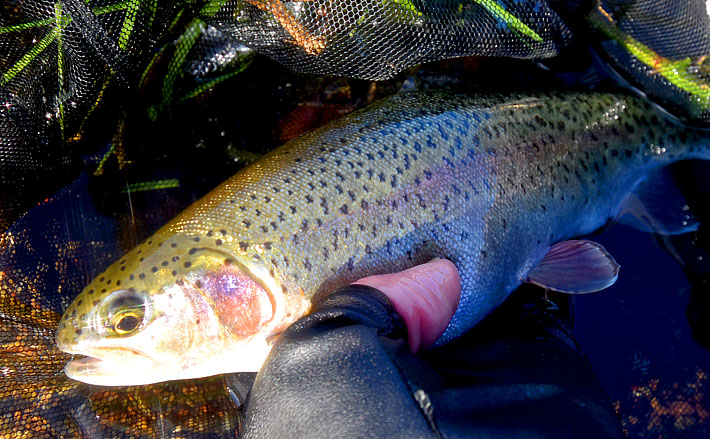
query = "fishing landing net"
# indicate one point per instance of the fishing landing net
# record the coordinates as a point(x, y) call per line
point(662, 48)
point(109, 108)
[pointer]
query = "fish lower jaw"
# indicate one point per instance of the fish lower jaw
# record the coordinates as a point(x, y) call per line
point(247, 356)
point(96, 371)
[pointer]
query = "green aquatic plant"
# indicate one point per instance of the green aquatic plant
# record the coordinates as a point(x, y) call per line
point(151, 185)
point(404, 9)
point(181, 49)
point(50, 49)
point(688, 75)
point(511, 21)
point(58, 22)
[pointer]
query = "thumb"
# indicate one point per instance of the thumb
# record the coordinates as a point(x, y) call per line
point(426, 296)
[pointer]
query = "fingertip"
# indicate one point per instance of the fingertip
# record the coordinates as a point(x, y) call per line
point(426, 296)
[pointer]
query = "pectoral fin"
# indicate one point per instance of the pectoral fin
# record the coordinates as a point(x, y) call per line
point(575, 267)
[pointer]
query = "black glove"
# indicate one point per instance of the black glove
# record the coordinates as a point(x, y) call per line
point(345, 371)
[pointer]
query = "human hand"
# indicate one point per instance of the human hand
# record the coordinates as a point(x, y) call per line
point(346, 369)
point(425, 296)
point(342, 362)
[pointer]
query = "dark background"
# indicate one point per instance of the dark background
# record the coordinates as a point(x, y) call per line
point(640, 343)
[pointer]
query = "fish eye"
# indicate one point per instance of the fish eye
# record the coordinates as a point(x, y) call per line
point(124, 311)
point(126, 322)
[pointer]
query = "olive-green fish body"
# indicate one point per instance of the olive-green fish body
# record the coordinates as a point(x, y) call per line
point(490, 182)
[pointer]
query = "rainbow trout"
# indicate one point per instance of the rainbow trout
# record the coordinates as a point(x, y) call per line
point(498, 184)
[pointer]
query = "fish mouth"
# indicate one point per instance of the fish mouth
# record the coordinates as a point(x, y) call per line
point(139, 369)
point(83, 366)
point(132, 370)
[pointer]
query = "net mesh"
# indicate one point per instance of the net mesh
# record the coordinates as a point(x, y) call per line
point(376, 39)
point(94, 100)
point(661, 47)
point(46, 255)
point(68, 64)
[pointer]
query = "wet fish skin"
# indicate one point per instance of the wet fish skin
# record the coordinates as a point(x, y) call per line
point(488, 181)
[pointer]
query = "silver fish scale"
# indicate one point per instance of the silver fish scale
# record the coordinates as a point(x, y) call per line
point(489, 182)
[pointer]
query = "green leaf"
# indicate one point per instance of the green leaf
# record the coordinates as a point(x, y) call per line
point(509, 19)
point(683, 74)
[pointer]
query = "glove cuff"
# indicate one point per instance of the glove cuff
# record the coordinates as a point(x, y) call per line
point(355, 305)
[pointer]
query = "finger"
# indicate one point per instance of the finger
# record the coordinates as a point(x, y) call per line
point(426, 296)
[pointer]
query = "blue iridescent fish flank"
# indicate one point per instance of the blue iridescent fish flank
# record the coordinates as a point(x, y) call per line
point(499, 184)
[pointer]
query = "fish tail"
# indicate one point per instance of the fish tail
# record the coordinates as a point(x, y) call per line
point(658, 203)
point(694, 144)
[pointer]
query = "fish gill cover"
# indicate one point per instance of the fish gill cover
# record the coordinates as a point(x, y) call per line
point(90, 89)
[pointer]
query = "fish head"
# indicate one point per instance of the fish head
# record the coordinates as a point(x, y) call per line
point(170, 309)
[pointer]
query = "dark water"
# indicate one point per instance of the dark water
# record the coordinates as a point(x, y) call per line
point(639, 341)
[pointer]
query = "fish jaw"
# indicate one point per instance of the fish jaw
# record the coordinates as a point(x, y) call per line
point(92, 370)
point(128, 368)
